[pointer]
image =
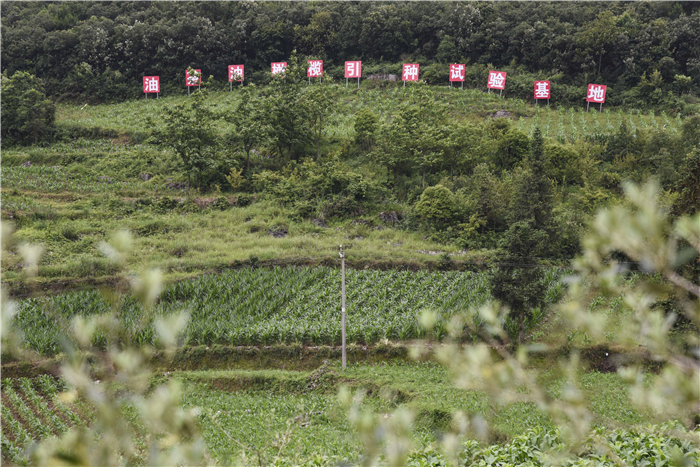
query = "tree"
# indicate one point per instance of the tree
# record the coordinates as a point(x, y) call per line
point(285, 111)
point(688, 187)
point(512, 148)
point(365, 127)
point(248, 119)
point(189, 131)
point(461, 144)
point(114, 374)
point(437, 205)
point(415, 137)
point(320, 100)
point(600, 34)
point(27, 115)
point(319, 36)
point(517, 283)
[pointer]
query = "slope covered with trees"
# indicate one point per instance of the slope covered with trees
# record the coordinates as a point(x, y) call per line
point(642, 51)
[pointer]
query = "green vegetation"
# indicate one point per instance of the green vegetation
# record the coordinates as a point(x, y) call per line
point(209, 334)
point(294, 418)
point(645, 53)
point(29, 116)
point(290, 305)
point(251, 192)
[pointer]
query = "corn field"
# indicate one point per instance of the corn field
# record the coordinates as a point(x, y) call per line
point(32, 411)
point(569, 125)
point(280, 305)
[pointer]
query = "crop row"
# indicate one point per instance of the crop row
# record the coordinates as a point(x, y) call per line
point(571, 125)
point(31, 411)
point(56, 179)
point(281, 305)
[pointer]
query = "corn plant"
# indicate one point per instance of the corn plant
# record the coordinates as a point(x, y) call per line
point(50, 388)
point(22, 437)
point(36, 426)
point(41, 406)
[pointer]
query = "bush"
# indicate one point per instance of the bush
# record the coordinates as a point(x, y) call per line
point(437, 205)
point(365, 128)
point(243, 200)
point(28, 117)
point(221, 203)
point(164, 205)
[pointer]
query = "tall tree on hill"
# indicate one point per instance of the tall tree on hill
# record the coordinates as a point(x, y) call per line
point(600, 34)
point(286, 112)
point(248, 120)
point(189, 131)
point(518, 281)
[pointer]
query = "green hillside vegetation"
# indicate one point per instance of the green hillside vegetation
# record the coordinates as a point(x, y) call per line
point(100, 51)
point(363, 174)
point(521, 278)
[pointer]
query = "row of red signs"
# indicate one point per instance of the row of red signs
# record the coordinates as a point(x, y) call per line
point(497, 79)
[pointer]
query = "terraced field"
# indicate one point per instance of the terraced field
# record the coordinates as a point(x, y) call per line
point(31, 411)
point(281, 305)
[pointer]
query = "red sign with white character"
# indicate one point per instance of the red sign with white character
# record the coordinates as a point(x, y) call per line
point(457, 72)
point(315, 69)
point(353, 69)
point(278, 67)
point(596, 93)
point(195, 79)
point(410, 72)
point(497, 80)
point(542, 90)
point(151, 84)
point(235, 72)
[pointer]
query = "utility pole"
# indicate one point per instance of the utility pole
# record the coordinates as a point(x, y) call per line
point(342, 274)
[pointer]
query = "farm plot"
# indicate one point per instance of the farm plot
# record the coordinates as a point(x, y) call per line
point(281, 305)
point(32, 411)
point(572, 124)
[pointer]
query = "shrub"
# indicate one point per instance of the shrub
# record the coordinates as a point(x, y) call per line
point(164, 205)
point(221, 203)
point(437, 205)
point(27, 115)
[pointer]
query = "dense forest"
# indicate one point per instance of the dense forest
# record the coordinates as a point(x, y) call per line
point(642, 51)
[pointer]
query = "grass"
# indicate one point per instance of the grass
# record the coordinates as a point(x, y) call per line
point(295, 415)
point(71, 226)
point(313, 424)
point(564, 124)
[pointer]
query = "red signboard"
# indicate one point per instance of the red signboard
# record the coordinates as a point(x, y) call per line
point(410, 72)
point(235, 72)
point(497, 80)
point(278, 67)
point(315, 69)
point(542, 90)
point(596, 93)
point(457, 72)
point(194, 80)
point(151, 84)
point(353, 69)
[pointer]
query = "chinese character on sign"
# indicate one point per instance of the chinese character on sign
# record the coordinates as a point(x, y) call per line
point(353, 69)
point(596, 93)
point(542, 90)
point(410, 72)
point(195, 79)
point(497, 80)
point(151, 84)
point(235, 72)
point(278, 67)
point(456, 72)
point(315, 69)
